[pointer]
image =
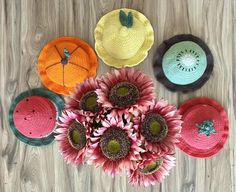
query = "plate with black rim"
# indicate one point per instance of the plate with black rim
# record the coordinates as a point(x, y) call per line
point(183, 63)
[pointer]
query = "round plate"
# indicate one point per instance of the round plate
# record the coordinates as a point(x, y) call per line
point(141, 53)
point(64, 62)
point(33, 114)
point(195, 139)
point(183, 63)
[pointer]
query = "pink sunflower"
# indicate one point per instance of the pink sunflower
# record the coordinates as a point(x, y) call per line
point(151, 170)
point(126, 89)
point(160, 127)
point(114, 146)
point(84, 98)
point(73, 137)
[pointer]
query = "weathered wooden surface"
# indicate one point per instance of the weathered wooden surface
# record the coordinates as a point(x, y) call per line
point(26, 25)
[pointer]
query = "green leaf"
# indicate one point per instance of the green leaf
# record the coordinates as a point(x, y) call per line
point(66, 53)
point(126, 20)
point(130, 20)
point(201, 131)
point(206, 127)
point(123, 18)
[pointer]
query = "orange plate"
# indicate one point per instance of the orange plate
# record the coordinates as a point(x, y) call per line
point(62, 78)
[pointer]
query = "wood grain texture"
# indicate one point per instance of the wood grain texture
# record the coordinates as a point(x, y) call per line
point(27, 25)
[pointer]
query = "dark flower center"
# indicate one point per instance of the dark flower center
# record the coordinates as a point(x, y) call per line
point(124, 94)
point(154, 128)
point(77, 135)
point(88, 102)
point(152, 167)
point(115, 144)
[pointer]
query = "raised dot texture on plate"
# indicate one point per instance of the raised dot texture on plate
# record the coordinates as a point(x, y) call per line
point(26, 120)
point(33, 114)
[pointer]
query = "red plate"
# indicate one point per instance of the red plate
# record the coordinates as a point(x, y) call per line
point(195, 111)
point(35, 116)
